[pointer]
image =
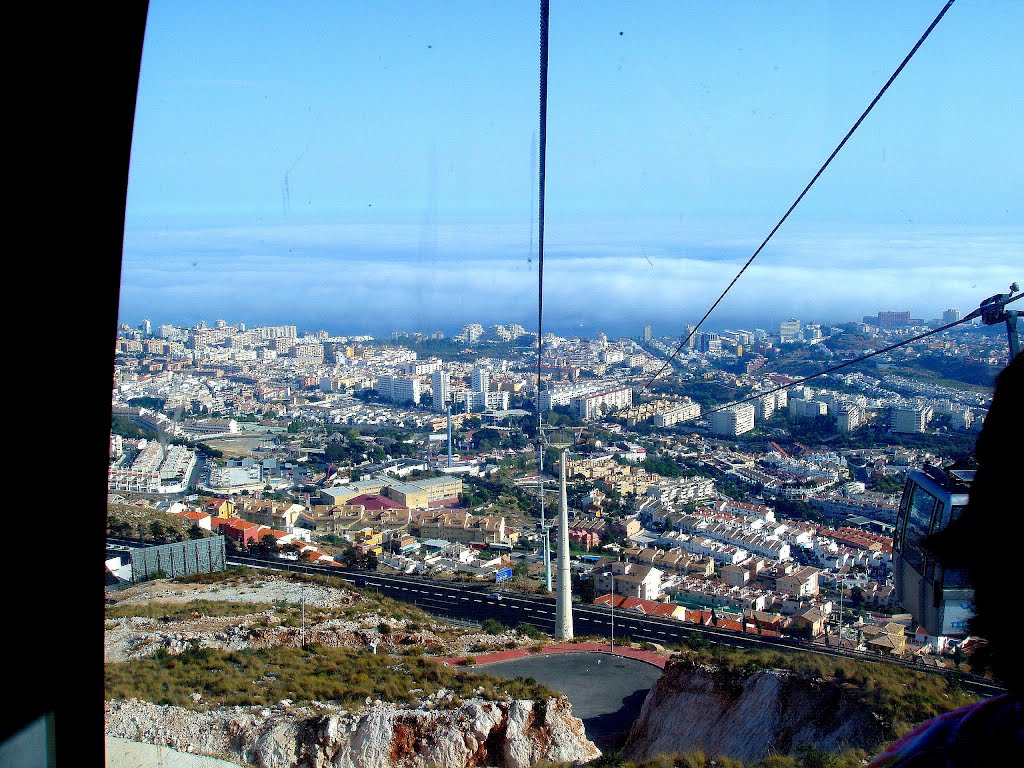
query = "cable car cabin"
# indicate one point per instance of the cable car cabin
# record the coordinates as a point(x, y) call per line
point(939, 598)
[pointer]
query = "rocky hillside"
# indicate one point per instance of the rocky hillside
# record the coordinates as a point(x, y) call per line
point(510, 734)
point(198, 666)
point(747, 715)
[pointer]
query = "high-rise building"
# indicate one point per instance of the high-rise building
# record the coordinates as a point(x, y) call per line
point(146, 327)
point(807, 409)
point(733, 421)
point(481, 379)
point(278, 332)
point(442, 388)
point(597, 404)
point(648, 333)
point(471, 333)
point(950, 316)
point(789, 331)
point(889, 319)
point(912, 418)
point(709, 342)
point(399, 389)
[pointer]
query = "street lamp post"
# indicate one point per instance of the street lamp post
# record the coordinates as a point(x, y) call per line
point(842, 589)
point(611, 574)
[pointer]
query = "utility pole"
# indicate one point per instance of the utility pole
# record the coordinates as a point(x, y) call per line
point(563, 600)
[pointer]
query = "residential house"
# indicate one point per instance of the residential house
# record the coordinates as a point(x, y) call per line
point(222, 508)
point(801, 582)
point(200, 519)
point(629, 579)
point(647, 607)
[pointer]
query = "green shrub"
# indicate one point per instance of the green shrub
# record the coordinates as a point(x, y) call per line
point(493, 627)
point(525, 628)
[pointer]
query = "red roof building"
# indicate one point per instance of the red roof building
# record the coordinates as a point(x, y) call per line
point(374, 501)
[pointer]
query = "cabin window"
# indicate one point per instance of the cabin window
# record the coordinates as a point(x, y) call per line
point(918, 524)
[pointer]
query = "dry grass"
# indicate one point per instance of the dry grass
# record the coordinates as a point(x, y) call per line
point(265, 676)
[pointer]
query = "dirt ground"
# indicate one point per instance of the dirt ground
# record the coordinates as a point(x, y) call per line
point(359, 626)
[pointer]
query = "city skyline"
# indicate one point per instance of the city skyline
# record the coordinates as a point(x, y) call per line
point(374, 169)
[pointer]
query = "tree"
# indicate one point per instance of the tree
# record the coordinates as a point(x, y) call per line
point(158, 530)
point(195, 532)
point(857, 597)
point(267, 546)
point(370, 561)
point(584, 587)
point(351, 557)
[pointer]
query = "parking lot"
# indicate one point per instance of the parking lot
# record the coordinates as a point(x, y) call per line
point(606, 691)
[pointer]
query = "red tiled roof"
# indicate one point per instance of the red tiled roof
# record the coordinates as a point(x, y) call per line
point(374, 501)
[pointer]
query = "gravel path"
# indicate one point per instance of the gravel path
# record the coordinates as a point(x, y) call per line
point(122, 753)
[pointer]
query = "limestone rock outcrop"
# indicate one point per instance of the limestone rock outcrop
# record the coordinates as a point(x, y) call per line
point(748, 716)
point(507, 734)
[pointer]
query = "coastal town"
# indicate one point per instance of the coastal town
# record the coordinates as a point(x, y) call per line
point(709, 486)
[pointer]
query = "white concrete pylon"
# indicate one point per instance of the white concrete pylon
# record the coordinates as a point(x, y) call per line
point(563, 597)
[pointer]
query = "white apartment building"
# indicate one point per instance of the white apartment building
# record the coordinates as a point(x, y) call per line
point(909, 418)
point(807, 409)
point(399, 389)
point(597, 404)
point(481, 380)
point(677, 415)
point(471, 333)
point(789, 331)
point(422, 367)
point(563, 393)
point(488, 401)
point(308, 351)
point(440, 382)
point(764, 407)
point(733, 421)
point(277, 331)
point(849, 417)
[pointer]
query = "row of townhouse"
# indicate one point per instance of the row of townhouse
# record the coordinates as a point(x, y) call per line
point(327, 519)
point(841, 507)
point(671, 492)
point(703, 546)
point(742, 509)
point(751, 541)
point(465, 528)
point(749, 621)
point(671, 560)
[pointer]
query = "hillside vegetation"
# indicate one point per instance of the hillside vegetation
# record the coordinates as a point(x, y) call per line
point(266, 676)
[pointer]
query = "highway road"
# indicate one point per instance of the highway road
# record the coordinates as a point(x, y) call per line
point(472, 602)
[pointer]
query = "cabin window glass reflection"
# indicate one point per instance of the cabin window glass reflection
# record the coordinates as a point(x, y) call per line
point(919, 520)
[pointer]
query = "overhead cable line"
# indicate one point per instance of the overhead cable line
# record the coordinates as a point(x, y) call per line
point(541, 167)
point(848, 363)
point(806, 189)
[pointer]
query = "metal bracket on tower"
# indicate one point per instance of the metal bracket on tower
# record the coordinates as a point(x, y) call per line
point(993, 311)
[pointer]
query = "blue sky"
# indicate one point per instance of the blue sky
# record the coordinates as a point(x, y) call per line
point(367, 167)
